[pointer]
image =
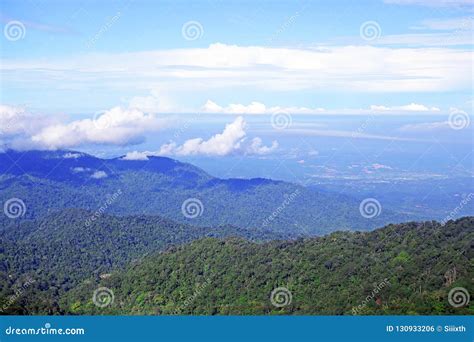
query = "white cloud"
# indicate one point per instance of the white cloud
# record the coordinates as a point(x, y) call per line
point(343, 134)
point(156, 102)
point(412, 107)
point(99, 175)
point(80, 169)
point(439, 39)
point(116, 126)
point(360, 68)
point(220, 144)
point(260, 108)
point(425, 127)
point(460, 24)
point(16, 120)
point(71, 155)
point(135, 155)
point(231, 140)
point(256, 108)
point(257, 147)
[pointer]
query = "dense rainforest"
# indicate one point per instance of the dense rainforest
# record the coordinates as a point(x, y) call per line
point(399, 269)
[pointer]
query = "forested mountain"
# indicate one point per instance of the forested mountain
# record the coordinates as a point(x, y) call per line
point(400, 269)
point(90, 222)
point(64, 248)
point(50, 181)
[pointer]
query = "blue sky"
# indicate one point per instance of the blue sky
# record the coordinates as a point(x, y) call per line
point(127, 75)
point(67, 43)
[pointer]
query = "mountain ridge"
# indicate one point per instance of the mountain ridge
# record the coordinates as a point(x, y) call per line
point(49, 181)
point(329, 275)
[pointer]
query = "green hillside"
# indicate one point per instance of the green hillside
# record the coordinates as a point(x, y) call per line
point(400, 269)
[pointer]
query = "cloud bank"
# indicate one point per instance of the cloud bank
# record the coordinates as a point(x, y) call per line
point(117, 126)
point(231, 140)
point(361, 68)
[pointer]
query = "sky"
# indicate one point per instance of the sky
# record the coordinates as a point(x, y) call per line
point(190, 78)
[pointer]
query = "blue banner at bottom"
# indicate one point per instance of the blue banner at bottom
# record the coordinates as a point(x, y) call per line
point(236, 328)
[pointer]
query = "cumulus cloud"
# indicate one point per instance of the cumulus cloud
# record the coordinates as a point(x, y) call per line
point(256, 108)
point(220, 144)
point(16, 120)
point(260, 108)
point(257, 147)
point(231, 140)
point(116, 126)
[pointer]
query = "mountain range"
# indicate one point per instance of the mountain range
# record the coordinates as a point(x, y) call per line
point(49, 181)
point(167, 238)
